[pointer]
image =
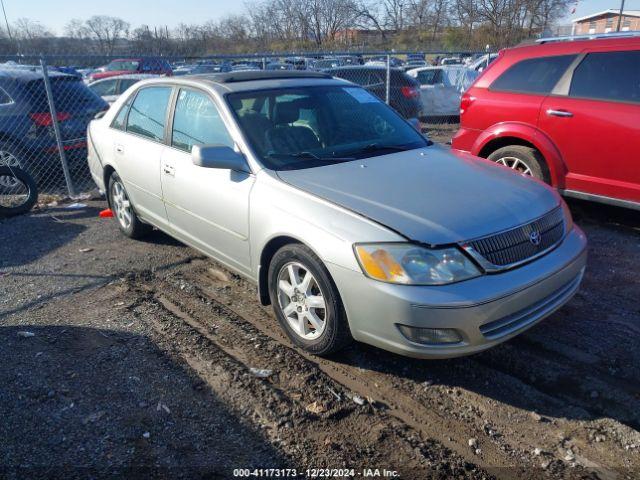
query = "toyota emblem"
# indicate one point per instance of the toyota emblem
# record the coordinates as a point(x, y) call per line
point(534, 237)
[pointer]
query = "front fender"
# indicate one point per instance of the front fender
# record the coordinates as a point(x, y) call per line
point(529, 134)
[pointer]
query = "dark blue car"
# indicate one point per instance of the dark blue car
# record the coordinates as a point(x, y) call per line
point(27, 138)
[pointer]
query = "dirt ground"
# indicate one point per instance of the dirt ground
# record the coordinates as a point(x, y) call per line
point(137, 359)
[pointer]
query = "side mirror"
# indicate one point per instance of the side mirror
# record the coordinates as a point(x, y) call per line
point(219, 156)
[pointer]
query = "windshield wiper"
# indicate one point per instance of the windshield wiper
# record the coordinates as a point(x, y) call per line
point(294, 155)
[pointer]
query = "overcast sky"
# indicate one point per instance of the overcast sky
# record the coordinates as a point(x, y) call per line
point(56, 13)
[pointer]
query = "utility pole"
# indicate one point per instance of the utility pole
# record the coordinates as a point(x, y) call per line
point(620, 16)
point(4, 12)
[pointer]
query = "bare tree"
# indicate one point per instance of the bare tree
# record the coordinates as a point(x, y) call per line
point(106, 31)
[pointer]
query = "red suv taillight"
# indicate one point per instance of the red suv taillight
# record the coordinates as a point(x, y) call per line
point(410, 92)
point(465, 102)
point(44, 119)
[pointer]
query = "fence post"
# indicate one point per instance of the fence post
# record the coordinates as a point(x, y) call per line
point(56, 128)
point(388, 83)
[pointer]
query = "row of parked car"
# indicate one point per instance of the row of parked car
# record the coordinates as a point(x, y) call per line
point(417, 90)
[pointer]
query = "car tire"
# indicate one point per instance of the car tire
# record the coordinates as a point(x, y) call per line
point(11, 156)
point(311, 313)
point(123, 211)
point(12, 181)
point(525, 159)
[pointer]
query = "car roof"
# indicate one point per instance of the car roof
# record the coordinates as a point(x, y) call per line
point(363, 67)
point(557, 47)
point(242, 81)
point(27, 74)
point(128, 76)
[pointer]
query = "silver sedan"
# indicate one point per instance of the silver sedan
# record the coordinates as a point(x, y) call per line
point(350, 222)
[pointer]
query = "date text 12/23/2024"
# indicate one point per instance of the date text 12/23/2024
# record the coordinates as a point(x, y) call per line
point(315, 473)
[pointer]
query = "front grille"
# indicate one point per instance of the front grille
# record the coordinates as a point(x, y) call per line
point(515, 245)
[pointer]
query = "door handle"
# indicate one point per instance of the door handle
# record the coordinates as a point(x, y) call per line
point(120, 149)
point(169, 170)
point(559, 113)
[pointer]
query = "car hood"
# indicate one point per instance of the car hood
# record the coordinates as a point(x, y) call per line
point(429, 195)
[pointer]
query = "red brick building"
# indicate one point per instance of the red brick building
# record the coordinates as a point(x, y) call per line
point(607, 21)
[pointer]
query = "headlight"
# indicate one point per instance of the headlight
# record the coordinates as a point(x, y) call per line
point(413, 265)
point(568, 218)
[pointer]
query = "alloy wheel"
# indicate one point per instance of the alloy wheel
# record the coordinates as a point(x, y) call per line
point(515, 163)
point(8, 159)
point(121, 205)
point(301, 300)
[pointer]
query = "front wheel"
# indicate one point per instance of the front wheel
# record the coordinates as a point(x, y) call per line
point(306, 301)
point(123, 211)
point(523, 159)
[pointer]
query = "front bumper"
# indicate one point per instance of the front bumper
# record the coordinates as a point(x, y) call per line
point(485, 311)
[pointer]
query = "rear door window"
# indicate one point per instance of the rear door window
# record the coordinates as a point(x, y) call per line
point(608, 76)
point(148, 113)
point(535, 75)
point(69, 94)
point(125, 83)
point(105, 87)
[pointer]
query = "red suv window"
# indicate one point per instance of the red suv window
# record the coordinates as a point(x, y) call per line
point(535, 75)
point(608, 76)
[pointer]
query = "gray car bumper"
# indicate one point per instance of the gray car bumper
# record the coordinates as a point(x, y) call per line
point(485, 311)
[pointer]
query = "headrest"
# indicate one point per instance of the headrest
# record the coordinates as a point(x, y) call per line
point(286, 112)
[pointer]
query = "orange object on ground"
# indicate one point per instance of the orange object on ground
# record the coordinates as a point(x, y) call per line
point(106, 213)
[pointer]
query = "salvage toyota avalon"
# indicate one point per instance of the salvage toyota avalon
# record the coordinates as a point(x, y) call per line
point(351, 223)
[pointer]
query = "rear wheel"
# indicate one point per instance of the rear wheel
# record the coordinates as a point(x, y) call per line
point(9, 157)
point(306, 301)
point(18, 191)
point(123, 211)
point(525, 160)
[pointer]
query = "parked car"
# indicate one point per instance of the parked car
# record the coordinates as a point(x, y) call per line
point(451, 61)
point(441, 89)
point(124, 66)
point(414, 64)
point(325, 63)
point(279, 66)
point(299, 63)
point(482, 62)
point(112, 87)
point(351, 223)
point(26, 134)
point(567, 113)
point(404, 91)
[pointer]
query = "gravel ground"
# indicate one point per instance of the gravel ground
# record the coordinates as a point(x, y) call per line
point(137, 358)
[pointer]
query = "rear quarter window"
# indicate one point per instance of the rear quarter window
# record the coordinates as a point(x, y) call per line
point(534, 75)
point(69, 94)
point(613, 76)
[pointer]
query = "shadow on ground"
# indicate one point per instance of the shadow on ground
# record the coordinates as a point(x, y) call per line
point(87, 402)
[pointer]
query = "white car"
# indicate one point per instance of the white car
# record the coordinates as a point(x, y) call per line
point(482, 62)
point(112, 87)
point(441, 88)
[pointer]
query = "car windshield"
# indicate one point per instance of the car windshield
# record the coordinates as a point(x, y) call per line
point(311, 126)
point(122, 65)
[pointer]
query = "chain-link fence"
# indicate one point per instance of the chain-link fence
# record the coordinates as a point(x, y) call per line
point(47, 103)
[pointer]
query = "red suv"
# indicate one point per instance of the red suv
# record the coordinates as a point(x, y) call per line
point(566, 112)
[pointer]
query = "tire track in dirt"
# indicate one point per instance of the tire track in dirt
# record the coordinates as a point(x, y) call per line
point(287, 392)
point(423, 414)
